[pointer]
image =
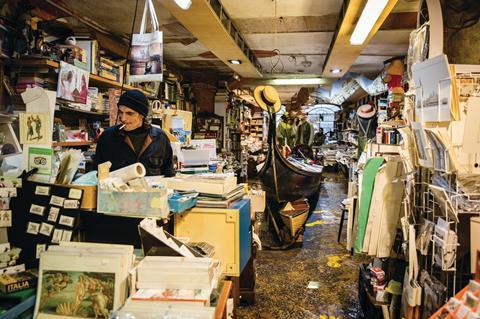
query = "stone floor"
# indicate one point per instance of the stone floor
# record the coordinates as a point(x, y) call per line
point(283, 276)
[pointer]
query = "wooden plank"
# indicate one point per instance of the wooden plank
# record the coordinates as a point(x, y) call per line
point(221, 309)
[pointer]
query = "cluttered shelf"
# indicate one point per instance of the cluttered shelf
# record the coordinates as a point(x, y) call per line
point(71, 109)
point(94, 78)
point(73, 143)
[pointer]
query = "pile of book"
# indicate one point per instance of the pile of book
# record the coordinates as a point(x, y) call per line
point(216, 190)
point(177, 286)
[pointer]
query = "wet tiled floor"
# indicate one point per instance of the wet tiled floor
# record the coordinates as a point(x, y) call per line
point(283, 276)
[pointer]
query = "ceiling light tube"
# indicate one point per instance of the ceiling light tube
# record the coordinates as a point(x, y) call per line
point(373, 9)
point(184, 4)
point(305, 81)
point(335, 71)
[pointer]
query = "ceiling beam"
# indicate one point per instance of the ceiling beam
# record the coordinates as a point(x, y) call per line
point(342, 55)
point(217, 33)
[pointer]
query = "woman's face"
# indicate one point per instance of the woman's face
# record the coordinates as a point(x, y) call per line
point(132, 119)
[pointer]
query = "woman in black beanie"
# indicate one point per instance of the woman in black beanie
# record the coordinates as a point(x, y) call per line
point(135, 140)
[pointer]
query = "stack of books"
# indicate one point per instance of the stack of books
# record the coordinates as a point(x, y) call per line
point(221, 201)
point(216, 190)
point(180, 286)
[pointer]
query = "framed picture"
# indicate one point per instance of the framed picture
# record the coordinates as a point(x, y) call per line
point(72, 83)
point(33, 128)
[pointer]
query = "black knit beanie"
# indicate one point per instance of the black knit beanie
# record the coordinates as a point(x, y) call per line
point(135, 100)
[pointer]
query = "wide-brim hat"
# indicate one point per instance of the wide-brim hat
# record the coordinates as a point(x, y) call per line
point(267, 98)
point(366, 111)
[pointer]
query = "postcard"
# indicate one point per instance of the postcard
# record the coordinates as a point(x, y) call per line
point(8, 192)
point(71, 204)
point(5, 203)
point(46, 229)
point(67, 235)
point(42, 190)
point(75, 193)
point(37, 209)
point(40, 248)
point(33, 228)
point(33, 128)
point(10, 182)
point(57, 235)
point(57, 200)
point(5, 218)
point(72, 83)
point(66, 220)
point(53, 214)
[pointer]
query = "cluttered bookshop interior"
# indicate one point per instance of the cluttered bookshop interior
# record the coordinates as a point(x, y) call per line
point(254, 159)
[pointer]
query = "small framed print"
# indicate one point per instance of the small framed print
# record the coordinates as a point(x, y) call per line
point(70, 204)
point(66, 220)
point(57, 200)
point(37, 209)
point(8, 192)
point(6, 218)
point(75, 193)
point(67, 235)
point(46, 229)
point(42, 190)
point(53, 214)
point(5, 203)
point(33, 228)
point(57, 235)
point(40, 248)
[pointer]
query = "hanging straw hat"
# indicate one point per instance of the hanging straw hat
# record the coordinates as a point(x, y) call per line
point(267, 98)
point(366, 111)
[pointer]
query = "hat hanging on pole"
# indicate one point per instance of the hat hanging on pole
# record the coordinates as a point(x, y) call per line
point(267, 98)
point(366, 111)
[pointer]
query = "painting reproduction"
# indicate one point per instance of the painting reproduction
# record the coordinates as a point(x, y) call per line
point(77, 294)
point(33, 128)
point(72, 83)
point(433, 84)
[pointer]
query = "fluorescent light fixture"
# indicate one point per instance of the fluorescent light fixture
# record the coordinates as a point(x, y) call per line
point(184, 4)
point(235, 61)
point(335, 71)
point(367, 20)
point(297, 81)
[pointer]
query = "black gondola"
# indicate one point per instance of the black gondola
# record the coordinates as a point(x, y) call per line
point(282, 181)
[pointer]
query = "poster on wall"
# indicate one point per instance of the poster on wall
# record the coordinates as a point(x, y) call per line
point(72, 83)
point(433, 85)
point(34, 129)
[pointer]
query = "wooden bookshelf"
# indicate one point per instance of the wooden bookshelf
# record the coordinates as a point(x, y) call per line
point(73, 144)
point(71, 109)
point(94, 79)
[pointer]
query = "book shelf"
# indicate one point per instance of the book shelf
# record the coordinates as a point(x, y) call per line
point(94, 79)
point(73, 143)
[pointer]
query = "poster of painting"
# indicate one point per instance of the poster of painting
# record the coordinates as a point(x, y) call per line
point(433, 85)
point(72, 83)
point(77, 294)
point(34, 128)
point(74, 283)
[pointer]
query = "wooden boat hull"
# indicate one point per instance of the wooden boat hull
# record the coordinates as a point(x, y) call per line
point(283, 181)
